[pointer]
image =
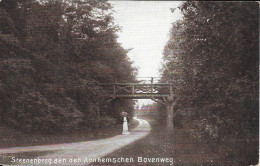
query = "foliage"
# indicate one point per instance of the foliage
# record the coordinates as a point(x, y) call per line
point(107, 122)
point(212, 56)
point(53, 56)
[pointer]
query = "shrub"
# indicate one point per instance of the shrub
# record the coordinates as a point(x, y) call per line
point(106, 122)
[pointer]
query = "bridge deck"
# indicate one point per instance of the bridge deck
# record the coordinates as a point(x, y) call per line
point(137, 96)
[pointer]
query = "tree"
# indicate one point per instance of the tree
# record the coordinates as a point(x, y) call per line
point(213, 56)
point(53, 56)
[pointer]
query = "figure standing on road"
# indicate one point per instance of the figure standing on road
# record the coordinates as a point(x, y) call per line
point(125, 125)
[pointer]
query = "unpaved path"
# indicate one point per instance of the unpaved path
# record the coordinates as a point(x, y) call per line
point(82, 152)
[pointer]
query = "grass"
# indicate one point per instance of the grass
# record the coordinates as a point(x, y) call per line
point(11, 137)
point(177, 145)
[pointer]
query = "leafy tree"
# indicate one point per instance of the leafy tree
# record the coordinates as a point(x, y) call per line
point(212, 55)
point(53, 56)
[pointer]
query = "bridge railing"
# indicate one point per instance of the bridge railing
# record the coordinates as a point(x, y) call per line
point(131, 88)
point(152, 80)
point(144, 86)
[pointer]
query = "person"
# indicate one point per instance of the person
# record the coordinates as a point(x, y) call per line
point(124, 114)
point(125, 124)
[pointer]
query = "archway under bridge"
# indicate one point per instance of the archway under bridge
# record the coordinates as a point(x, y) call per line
point(148, 88)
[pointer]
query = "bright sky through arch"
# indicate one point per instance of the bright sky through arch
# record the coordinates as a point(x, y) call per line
point(145, 29)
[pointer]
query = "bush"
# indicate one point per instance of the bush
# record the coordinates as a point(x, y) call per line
point(106, 122)
point(31, 112)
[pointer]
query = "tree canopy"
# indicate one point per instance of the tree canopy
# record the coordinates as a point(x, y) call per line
point(212, 57)
point(53, 55)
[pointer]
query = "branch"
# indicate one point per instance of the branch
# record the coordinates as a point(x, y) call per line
point(110, 100)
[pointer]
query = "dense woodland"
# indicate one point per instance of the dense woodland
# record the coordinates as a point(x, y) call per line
point(53, 54)
point(212, 57)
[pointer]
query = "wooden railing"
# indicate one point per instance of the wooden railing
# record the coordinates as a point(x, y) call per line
point(142, 89)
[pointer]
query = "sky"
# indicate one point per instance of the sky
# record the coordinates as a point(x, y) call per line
point(145, 27)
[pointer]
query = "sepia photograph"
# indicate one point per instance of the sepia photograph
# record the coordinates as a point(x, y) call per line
point(129, 82)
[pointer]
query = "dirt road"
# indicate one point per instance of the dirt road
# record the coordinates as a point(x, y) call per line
point(80, 153)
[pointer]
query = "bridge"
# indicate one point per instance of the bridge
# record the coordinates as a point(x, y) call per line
point(153, 88)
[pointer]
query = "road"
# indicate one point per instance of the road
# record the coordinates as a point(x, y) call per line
point(81, 153)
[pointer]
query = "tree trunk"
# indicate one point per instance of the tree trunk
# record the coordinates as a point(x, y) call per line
point(3, 107)
point(98, 110)
point(169, 121)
